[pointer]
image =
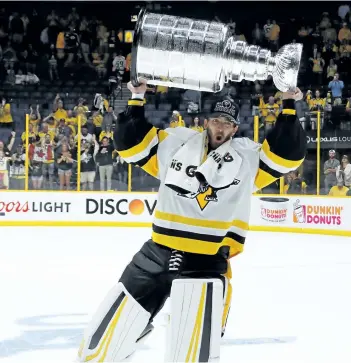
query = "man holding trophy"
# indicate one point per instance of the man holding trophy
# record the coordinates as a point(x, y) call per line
point(203, 209)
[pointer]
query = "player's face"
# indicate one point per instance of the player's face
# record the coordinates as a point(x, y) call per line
point(219, 130)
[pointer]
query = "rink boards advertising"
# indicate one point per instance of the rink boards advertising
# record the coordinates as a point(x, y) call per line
point(306, 214)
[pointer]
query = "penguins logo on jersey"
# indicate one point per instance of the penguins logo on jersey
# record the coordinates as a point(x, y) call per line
point(207, 194)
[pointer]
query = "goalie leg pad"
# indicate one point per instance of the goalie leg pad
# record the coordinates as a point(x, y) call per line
point(194, 330)
point(228, 291)
point(112, 334)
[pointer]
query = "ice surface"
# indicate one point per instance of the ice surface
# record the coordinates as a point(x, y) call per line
point(291, 295)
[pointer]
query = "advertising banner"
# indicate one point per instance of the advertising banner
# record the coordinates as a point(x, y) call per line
point(301, 212)
point(74, 207)
point(268, 213)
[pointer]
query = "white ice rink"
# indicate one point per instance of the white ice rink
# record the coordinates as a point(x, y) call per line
point(291, 295)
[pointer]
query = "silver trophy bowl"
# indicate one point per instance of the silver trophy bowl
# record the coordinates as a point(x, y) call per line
point(200, 55)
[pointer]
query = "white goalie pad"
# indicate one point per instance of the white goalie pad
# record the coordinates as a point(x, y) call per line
point(114, 329)
point(194, 330)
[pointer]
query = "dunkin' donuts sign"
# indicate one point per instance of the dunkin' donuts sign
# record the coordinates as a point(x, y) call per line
point(317, 214)
point(274, 209)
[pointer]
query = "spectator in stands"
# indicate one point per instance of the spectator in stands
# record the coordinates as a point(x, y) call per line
point(267, 29)
point(295, 184)
point(343, 11)
point(195, 125)
point(113, 44)
point(59, 111)
point(36, 163)
point(118, 64)
point(46, 131)
point(64, 166)
point(338, 190)
point(81, 111)
point(105, 162)
point(17, 169)
point(330, 167)
point(331, 70)
point(257, 35)
point(109, 118)
point(317, 104)
point(336, 86)
point(121, 168)
point(176, 120)
point(53, 64)
point(85, 136)
point(6, 120)
point(63, 129)
point(16, 28)
point(100, 59)
point(106, 132)
point(4, 177)
point(6, 148)
point(97, 119)
point(270, 113)
point(257, 100)
point(32, 134)
point(48, 159)
point(317, 69)
point(88, 165)
point(71, 45)
point(343, 171)
point(71, 120)
point(273, 36)
point(34, 118)
point(329, 52)
point(344, 33)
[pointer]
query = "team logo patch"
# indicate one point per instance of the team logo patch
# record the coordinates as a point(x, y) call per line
point(207, 194)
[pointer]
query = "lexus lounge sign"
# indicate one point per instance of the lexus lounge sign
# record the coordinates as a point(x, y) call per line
point(334, 140)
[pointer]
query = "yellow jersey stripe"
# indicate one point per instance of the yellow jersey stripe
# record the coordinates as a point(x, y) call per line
point(151, 167)
point(263, 179)
point(201, 222)
point(197, 246)
point(162, 135)
point(289, 164)
point(288, 112)
point(142, 146)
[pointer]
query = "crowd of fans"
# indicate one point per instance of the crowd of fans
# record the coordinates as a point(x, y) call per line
point(72, 42)
point(54, 47)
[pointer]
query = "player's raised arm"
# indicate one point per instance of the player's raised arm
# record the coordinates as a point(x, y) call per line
point(284, 148)
point(136, 139)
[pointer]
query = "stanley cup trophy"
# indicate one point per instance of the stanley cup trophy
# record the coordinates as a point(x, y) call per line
point(201, 55)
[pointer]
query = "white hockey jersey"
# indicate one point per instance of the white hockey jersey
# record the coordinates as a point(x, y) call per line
point(211, 220)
